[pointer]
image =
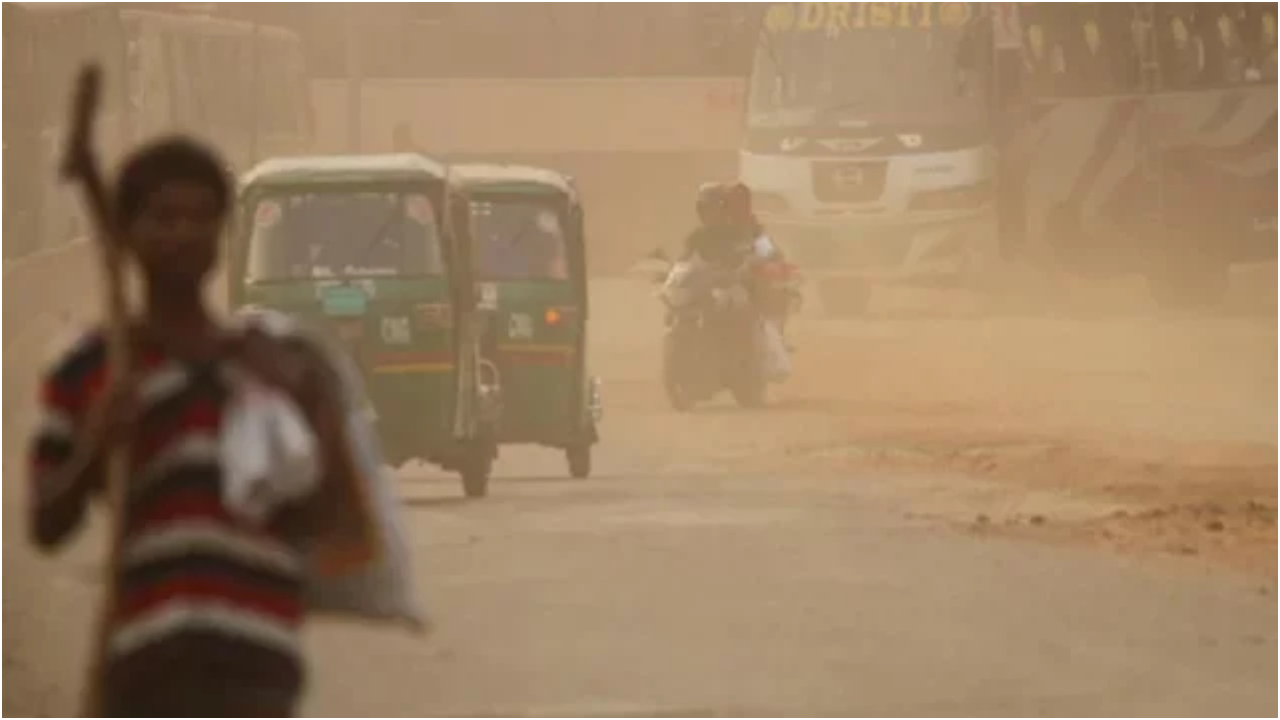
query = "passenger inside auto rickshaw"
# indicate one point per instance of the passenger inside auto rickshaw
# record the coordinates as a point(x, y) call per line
point(519, 241)
point(360, 234)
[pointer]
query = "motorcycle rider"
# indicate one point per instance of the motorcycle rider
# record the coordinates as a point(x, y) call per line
point(714, 239)
point(739, 212)
point(773, 303)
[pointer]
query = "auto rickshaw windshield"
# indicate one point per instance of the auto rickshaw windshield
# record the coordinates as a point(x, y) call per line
point(518, 240)
point(306, 235)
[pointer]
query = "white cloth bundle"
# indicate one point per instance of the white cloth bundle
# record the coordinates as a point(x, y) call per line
point(381, 588)
point(268, 453)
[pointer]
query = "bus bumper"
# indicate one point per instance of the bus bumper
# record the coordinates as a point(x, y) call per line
point(899, 248)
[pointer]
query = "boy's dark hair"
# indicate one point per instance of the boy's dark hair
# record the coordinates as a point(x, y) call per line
point(165, 160)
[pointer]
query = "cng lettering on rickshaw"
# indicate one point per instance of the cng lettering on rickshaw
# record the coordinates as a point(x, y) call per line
point(519, 326)
point(396, 331)
point(839, 17)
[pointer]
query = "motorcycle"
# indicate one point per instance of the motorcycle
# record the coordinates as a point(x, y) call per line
point(713, 336)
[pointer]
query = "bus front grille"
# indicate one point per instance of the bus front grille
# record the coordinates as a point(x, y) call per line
point(849, 182)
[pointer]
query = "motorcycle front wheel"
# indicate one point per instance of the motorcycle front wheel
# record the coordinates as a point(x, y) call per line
point(677, 394)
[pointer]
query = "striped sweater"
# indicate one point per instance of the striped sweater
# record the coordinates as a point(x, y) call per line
point(204, 602)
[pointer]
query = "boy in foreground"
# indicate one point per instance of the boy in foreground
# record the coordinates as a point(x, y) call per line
point(208, 608)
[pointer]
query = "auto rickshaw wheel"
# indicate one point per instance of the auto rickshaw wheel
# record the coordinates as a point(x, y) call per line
point(475, 467)
point(579, 457)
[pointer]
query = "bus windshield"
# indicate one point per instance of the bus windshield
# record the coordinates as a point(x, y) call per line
point(301, 235)
point(869, 62)
point(518, 241)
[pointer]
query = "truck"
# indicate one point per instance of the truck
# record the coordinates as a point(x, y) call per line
point(240, 86)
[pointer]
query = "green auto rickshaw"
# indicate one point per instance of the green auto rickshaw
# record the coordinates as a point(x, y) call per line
point(527, 248)
point(369, 251)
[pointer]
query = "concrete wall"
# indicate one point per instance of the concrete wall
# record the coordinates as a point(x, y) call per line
point(638, 147)
point(595, 115)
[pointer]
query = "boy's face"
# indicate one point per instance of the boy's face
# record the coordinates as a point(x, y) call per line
point(175, 237)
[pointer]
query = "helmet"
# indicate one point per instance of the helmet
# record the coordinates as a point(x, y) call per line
point(710, 194)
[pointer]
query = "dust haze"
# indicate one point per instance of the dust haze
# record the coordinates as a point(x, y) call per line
point(1058, 458)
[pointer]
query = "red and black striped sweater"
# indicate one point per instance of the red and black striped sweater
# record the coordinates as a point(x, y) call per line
point(205, 602)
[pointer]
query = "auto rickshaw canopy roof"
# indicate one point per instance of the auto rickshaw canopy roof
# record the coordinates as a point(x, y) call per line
point(342, 169)
point(512, 179)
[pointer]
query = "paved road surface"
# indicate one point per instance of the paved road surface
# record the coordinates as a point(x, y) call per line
point(668, 585)
point(706, 595)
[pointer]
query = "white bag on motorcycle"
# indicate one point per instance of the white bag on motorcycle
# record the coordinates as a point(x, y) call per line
point(676, 290)
point(777, 361)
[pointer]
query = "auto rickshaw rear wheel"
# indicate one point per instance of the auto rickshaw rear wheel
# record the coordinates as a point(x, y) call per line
point(579, 457)
point(475, 467)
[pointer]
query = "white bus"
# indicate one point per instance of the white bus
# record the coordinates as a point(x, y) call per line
point(922, 141)
point(868, 141)
point(242, 87)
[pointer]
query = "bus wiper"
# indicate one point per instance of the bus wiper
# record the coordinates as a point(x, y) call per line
point(766, 39)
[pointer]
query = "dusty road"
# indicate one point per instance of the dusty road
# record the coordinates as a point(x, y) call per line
point(1068, 515)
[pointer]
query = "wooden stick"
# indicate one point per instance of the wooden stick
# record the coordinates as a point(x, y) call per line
point(80, 166)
